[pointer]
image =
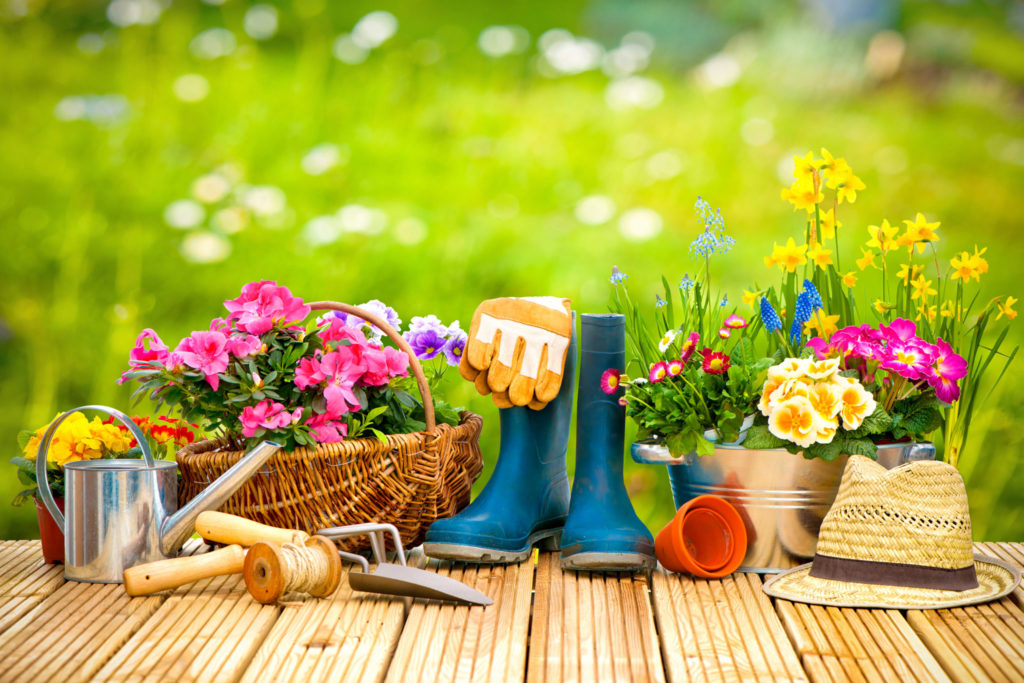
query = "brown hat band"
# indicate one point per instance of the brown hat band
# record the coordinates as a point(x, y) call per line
point(893, 573)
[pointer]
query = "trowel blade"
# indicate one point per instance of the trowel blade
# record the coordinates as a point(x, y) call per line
point(394, 579)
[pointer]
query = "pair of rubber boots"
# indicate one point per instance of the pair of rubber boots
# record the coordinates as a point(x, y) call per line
point(527, 501)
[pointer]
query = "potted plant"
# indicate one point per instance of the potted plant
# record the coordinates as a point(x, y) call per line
point(339, 392)
point(78, 438)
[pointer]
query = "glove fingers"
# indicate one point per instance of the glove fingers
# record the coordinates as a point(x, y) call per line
point(536, 405)
point(481, 383)
point(501, 400)
point(520, 391)
point(466, 370)
point(500, 375)
point(480, 353)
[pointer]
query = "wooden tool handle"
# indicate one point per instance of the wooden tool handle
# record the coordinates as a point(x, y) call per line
point(164, 574)
point(224, 528)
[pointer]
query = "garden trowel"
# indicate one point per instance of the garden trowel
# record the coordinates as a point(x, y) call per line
point(398, 579)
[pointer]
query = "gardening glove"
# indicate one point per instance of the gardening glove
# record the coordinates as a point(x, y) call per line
point(516, 349)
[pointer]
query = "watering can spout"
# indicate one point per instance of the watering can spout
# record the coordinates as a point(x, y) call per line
point(180, 526)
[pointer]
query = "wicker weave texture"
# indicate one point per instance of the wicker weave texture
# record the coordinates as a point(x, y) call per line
point(409, 481)
point(914, 515)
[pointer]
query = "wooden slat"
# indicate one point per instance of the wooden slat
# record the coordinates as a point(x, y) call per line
point(447, 642)
point(618, 637)
point(25, 580)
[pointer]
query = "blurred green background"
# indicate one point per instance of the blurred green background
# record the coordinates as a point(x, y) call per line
point(156, 156)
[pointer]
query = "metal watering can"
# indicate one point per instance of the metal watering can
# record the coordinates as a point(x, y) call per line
point(121, 513)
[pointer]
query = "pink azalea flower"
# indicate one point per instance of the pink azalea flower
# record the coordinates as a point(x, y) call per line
point(398, 362)
point(689, 346)
point(340, 396)
point(308, 373)
point(338, 331)
point(735, 322)
point(205, 352)
point(376, 362)
point(266, 414)
point(345, 361)
point(263, 305)
point(610, 380)
point(220, 325)
point(659, 371)
point(242, 346)
point(141, 354)
point(326, 430)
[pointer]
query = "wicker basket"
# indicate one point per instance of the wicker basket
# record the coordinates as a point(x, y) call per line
point(409, 481)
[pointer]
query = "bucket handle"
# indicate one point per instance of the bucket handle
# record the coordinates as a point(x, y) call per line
point(43, 482)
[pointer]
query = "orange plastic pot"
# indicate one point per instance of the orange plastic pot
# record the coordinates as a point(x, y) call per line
point(50, 535)
point(706, 538)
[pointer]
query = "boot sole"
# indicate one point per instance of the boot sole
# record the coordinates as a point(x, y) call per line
point(608, 562)
point(548, 539)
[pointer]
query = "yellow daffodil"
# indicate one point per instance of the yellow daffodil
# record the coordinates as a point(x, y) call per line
point(907, 272)
point(801, 195)
point(868, 259)
point(1006, 308)
point(787, 257)
point(920, 232)
point(951, 310)
point(836, 171)
point(980, 264)
point(828, 163)
point(850, 280)
point(925, 312)
point(922, 288)
point(751, 298)
point(847, 185)
point(963, 267)
point(827, 325)
point(805, 167)
point(883, 237)
point(829, 224)
point(820, 256)
point(881, 306)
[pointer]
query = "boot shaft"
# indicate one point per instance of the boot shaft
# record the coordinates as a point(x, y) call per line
point(600, 420)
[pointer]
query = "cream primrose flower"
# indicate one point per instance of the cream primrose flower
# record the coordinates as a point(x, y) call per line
point(826, 399)
point(774, 381)
point(858, 403)
point(795, 420)
point(791, 368)
point(667, 340)
point(823, 369)
point(827, 431)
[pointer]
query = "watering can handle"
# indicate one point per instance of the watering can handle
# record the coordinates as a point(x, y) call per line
point(43, 482)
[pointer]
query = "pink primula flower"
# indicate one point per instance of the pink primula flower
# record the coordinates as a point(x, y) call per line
point(263, 305)
point(912, 360)
point(205, 352)
point(267, 414)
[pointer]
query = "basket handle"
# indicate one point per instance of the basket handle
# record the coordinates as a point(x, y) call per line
point(414, 362)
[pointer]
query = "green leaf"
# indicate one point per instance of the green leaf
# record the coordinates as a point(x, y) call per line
point(379, 434)
point(759, 437)
point(864, 447)
point(878, 422)
point(705, 447)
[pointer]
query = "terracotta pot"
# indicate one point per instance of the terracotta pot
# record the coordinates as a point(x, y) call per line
point(706, 538)
point(50, 534)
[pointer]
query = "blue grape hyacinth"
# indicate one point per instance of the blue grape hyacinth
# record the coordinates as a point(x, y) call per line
point(769, 317)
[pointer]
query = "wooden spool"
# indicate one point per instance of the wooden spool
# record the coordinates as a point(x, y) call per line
point(266, 571)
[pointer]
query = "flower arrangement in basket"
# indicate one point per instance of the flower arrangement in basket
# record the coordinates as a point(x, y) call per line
point(337, 392)
point(810, 373)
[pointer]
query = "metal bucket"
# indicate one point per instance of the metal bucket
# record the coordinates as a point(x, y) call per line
point(782, 497)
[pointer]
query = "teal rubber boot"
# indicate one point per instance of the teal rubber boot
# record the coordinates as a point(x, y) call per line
point(526, 500)
point(603, 531)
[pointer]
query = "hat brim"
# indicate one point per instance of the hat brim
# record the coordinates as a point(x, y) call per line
point(995, 580)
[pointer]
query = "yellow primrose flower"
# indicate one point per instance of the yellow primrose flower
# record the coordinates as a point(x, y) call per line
point(801, 195)
point(825, 328)
point(1006, 308)
point(858, 403)
point(920, 232)
point(925, 312)
point(771, 385)
point(787, 257)
point(880, 306)
point(846, 185)
point(883, 237)
point(820, 256)
point(922, 288)
point(829, 223)
point(868, 259)
point(823, 369)
point(826, 399)
point(850, 280)
point(751, 298)
point(908, 272)
point(796, 421)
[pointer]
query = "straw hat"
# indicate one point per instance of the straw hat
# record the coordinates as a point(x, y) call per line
point(897, 538)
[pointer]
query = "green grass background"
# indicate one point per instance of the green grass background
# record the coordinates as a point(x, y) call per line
point(492, 157)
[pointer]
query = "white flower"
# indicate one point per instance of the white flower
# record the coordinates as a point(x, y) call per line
point(667, 340)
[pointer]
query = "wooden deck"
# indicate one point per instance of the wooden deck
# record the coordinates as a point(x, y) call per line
point(545, 625)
